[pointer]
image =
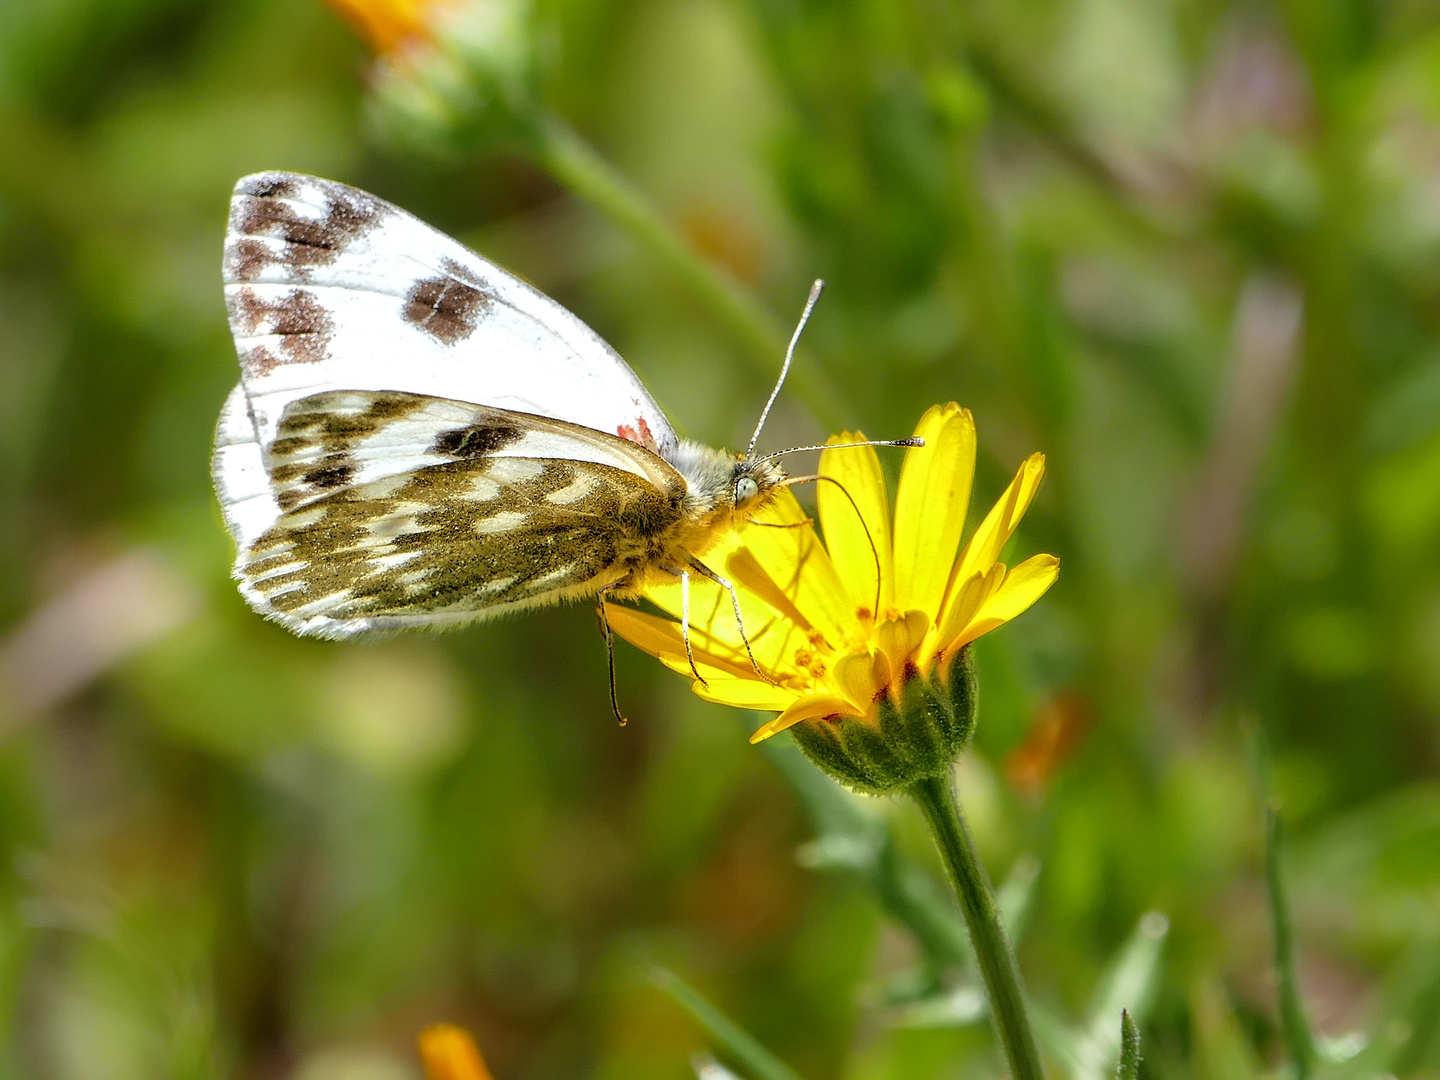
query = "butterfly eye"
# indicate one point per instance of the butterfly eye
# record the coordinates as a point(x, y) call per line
point(746, 489)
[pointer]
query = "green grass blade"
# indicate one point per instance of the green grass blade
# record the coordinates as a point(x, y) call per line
point(1292, 1011)
point(1129, 1067)
point(1129, 986)
point(742, 1047)
point(1056, 1039)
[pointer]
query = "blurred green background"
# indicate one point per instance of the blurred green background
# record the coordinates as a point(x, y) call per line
point(1190, 249)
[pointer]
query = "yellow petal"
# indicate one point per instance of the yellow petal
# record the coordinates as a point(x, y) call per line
point(793, 564)
point(1019, 590)
point(816, 707)
point(1022, 586)
point(450, 1053)
point(857, 534)
point(390, 24)
point(712, 620)
point(708, 668)
point(930, 507)
point(709, 603)
point(661, 638)
point(995, 531)
point(968, 600)
point(900, 638)
point(861, 677)
point(745, 693)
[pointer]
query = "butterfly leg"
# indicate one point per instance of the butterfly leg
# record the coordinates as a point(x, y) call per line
point(781, 524)
point(609, 652)
point(685, 626)
point(705, 572)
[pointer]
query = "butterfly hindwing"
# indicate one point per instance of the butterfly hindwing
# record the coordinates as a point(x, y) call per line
point(350, 437)
point(452, 543)
point(389, 509)
point(329, 288)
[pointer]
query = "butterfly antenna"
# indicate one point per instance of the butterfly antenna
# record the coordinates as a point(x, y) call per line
point(914, 440)
point(785, 368)
point(791, 481)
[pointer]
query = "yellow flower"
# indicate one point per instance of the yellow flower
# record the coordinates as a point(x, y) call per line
point(840, 628)
point(450, 1053)
point(390, 25)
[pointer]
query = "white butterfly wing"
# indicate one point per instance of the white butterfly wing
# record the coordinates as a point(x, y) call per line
point(238, 470)
point(330, 288)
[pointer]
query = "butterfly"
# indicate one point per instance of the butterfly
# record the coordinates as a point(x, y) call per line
point(421, 440)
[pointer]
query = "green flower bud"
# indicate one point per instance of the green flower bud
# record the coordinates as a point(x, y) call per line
point(899, 743)
point(477, 82)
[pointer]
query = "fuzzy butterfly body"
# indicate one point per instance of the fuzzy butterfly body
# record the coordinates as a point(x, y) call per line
point(420, 439)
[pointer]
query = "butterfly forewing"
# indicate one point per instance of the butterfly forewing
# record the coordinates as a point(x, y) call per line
point(329, 288)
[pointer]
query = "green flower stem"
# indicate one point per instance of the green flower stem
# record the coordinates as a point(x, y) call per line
point(936, 799)
point(578, 166)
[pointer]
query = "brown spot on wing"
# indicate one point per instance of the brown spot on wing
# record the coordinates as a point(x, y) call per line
point(449, 306)
point(329, 477)
point(475, 441)
point(257, 359)
point(269, 186)
point(264, 209)
point(639, 433)
point(246, 258)
point(297, 318)
point(299, 483)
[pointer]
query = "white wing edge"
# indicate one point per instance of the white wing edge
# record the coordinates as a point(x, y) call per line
point(238, 471)
point(322, 626)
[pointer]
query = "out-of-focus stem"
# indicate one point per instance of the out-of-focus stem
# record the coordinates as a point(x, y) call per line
point(582, 169)
point(1292, 1011)
point(936, 799)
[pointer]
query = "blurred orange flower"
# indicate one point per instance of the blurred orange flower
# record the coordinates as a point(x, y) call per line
point(1055, 734)
point(450, 1053)
point(390, 25)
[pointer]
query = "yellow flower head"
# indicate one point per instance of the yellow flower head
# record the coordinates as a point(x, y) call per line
point(450, 1053)
point(390, 25)
point(841, 627)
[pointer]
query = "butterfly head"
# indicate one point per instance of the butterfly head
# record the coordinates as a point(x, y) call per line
point(721, 486)
point(753, 481)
